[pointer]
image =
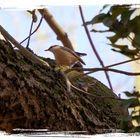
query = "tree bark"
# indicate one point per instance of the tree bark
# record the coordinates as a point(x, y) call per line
point(33, 96)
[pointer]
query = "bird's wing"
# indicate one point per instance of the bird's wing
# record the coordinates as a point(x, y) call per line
point(73, 53)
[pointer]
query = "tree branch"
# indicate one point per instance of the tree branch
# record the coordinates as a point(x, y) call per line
point(34, 19)
point(24, 51)
point(61, 35)
point(32, 22)
point(123, 62)
point(92, 70)
point(34, 30)
point(93, 47)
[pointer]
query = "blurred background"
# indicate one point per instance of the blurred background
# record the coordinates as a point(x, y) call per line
point(17, 23)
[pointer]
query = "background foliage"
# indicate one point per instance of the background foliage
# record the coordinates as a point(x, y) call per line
point(122, 21)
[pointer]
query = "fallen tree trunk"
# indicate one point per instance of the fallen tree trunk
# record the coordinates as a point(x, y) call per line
point(32, 96)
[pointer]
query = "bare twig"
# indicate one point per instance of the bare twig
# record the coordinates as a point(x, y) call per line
point(123, 62)
point(24, 51)
point(34, 19)
point(92, 70)
point(112, 70)
point(30, 34)
point(93, 47)
point(61, 35)
point(34, 30)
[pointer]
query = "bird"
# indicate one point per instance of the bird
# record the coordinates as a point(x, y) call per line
point(65, 56)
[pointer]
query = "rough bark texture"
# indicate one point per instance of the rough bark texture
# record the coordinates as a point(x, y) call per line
point(32, 96)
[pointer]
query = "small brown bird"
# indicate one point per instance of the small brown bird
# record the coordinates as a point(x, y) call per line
point(65, 56)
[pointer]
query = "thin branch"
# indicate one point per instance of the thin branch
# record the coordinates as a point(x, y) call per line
point(61, 35)
point(123, 62)
point(112, 70)
point(24, 51)
point(93, 47)
point(34, 30)
point(92, 70)
point(30, 34)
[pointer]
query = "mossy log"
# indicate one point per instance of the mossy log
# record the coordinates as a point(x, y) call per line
point(35, 97)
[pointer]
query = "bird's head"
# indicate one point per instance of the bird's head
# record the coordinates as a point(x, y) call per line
point(53, 48)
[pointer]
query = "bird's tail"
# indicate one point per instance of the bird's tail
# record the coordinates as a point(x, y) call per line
point(81, 54)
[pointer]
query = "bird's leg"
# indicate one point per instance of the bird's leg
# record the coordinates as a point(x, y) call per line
point(62, 69)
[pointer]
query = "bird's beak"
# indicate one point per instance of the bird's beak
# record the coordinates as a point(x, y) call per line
point(46, 50)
